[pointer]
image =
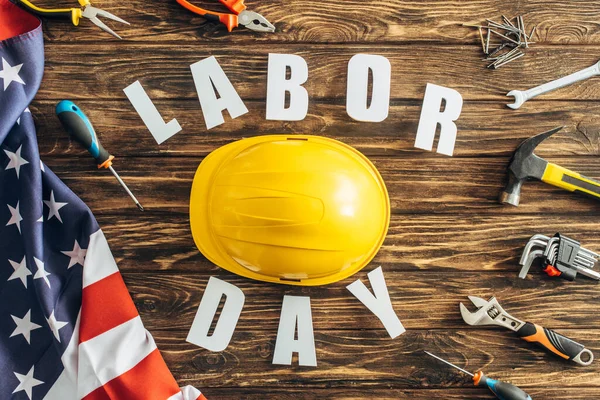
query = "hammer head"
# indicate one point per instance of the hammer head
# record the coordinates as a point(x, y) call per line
point(524, 165)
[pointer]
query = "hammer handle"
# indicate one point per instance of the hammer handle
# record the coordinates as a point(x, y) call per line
point(572, 181)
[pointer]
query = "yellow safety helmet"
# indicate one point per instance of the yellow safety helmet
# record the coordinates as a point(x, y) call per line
point(298, 210)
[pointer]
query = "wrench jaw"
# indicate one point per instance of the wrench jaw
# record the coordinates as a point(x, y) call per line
point(477, 318)
point(519, 99)
point(489, 313)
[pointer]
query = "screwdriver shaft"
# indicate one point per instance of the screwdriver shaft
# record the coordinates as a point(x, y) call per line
point(449, 363)
point(137, 203)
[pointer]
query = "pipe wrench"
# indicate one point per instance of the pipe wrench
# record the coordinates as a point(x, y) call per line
point(491, 313)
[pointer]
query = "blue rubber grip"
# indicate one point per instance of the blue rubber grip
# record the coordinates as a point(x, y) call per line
point(79, 127)
point(506, 391)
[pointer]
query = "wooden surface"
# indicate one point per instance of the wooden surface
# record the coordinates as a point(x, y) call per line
point(448, 236)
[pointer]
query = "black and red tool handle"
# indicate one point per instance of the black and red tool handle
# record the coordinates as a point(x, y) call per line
point(556, 343)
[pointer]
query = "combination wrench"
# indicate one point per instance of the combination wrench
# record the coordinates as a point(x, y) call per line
point(521, 97)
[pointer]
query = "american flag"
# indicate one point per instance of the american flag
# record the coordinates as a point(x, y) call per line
point(68, 327)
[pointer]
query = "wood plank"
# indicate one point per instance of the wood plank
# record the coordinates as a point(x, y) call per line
point(313, 21)
point(391, 393)
point(366, 360)
point(484, 128)
point(443, 243)
point(442, 185)
point(165, 73)
point(448, 237)
point(422, 299)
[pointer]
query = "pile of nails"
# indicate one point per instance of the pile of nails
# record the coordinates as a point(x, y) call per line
point(503, 41)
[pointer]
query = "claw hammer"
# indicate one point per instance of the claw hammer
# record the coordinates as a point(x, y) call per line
point(525, 165)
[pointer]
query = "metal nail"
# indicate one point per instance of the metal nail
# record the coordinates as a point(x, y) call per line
point(505, 37)
point(487, 42)
point(498, 60)
point(523, 28)
point(517, 20)
point(473, 26)
point(492, 22)
point(477, 26)
point(509, 60)
point(482, 41)
point(503, 45)
point(508, 21)
point(505, 57)
point(503, 27)
point(522, 23)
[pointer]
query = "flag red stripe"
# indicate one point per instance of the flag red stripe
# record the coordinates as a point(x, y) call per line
point(150, 379)
point(14, 21)
point(105, 305)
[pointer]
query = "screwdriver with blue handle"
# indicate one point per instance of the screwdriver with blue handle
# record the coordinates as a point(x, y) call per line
point(81, 130)
point(502, 390)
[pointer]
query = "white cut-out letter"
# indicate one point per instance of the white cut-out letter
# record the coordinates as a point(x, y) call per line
point(208, 77)
point(278, 86)
point(380, 304)
point(149, 114)
point(358, 85)
point(234, 302)
point(431, 116)
point(295, 310)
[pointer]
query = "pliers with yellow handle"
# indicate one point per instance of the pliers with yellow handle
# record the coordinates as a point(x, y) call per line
point(250, 19)
point(73, 14)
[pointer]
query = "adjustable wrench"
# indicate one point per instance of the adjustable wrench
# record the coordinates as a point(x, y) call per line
point(491, 313)
point(521, 97)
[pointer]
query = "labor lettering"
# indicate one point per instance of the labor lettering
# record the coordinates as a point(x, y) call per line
point(288, 100)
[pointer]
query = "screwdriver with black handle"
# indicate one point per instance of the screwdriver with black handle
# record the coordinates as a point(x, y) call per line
point(502, 390)
point(79, 127)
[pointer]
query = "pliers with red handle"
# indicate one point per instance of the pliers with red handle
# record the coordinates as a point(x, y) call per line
point(240, 16)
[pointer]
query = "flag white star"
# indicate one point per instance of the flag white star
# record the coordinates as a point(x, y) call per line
point(55, 325)
point(41, 272)
point(10, 74)
point(24, 326)
point(77, 255)
point(42, 166)
point(54, 206)
point(27, 382)
point(15, 216)
point(16, 161)
point(26, 111)
point(21, 271)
